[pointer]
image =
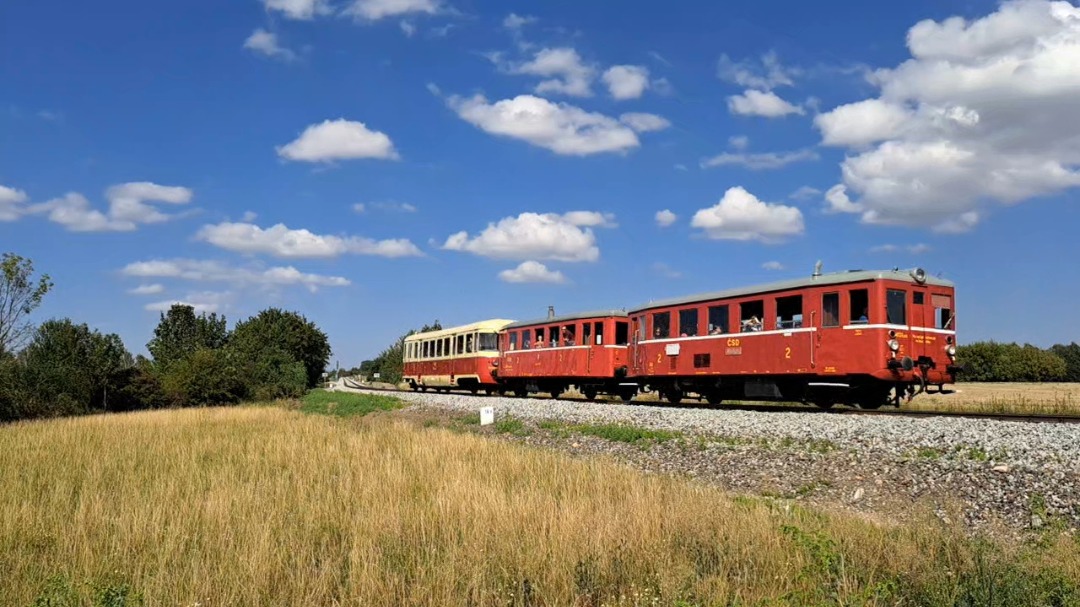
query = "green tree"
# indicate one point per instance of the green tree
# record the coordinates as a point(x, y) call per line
point(207, 377)
point(390, 363)
point(1071, 355)
point(73, 367)
point(180, 333)
point(259, 339)
point(998, 362)
point(20, 294)
point(275, 374)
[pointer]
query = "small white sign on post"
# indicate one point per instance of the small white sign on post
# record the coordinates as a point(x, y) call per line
point(487, 415)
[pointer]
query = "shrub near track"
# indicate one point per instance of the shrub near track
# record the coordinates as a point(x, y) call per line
point(267, 506)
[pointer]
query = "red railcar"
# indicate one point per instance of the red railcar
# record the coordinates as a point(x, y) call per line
point(587, 351)
point(462, 357)
point(848, 337)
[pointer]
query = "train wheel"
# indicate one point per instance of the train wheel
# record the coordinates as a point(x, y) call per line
point(824, 404)
point(873, 399)
point(556, 392)
point(627, 395)
point(674, 397)
point(590, 393)
point(489, 391)
point(713, 398)
point(521, 392)
point(474, 390)
point(414, 387)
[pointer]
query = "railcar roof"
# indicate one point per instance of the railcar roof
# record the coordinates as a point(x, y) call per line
point(493, 325)
point(833, 278)
point(567, 318)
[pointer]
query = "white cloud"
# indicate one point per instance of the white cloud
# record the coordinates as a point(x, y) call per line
point(281, 241)
point(266, 43)
point(983, 112)
point(739, 142)
point(298, 9)
point(389, 207)
point(626, 81)
point(644, 123)
point(338, 140)
point(249, 216)
point(513, 21)
point(761, 103)
point(566, 72)
point(532, 271)
point(11, 203)
point(772, 265)
point(838, 201)
point(805, 193)
point(561, 128)
point(128, 207)
point(769, 75)
point(767, 160)
point(213, 271)
point(914, 249)
point(148, 289)
point(204, 301)
point(665, 270)
point(665, 218)
point(373, 10)
point(407, 28)
point(587, 219)
point(532, 236)
point(741, 216)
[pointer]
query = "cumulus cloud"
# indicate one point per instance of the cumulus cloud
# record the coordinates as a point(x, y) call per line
point(561, 128)
point(298, 9)
point(742, 216)
point(149, 289)
point(626, 81)
point(513, 21)
point(761, 103)
point(566, 72)
point(266, 43)
point(531, 236)
point(805, 193)
point(766, 74)
point(983, 112)
point(128, 207)
point(203, 301)
point(373, 10)
point(11, 203)
point(665, 218)
point(766, 160)
point(644, 123)
point(281, 241)
point(772, 265)
point(837, 201)
point(338, 140)
point(532, 271)
point(213, 271)
point(587, 219)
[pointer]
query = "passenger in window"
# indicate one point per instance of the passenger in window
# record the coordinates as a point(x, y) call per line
point(714, 330)
point(863, 319)
point(754, 324)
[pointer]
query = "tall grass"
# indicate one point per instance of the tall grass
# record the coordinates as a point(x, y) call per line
point(266, 506)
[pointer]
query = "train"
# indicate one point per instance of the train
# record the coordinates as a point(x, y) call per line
point(866, 338)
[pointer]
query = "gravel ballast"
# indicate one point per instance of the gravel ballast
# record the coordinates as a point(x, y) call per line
point(1021, 473)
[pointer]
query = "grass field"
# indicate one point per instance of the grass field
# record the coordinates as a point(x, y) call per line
point(272, 506)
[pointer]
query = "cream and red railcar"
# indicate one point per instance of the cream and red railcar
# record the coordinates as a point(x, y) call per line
point(857, 337)
point(587, 351)
point(456, 358)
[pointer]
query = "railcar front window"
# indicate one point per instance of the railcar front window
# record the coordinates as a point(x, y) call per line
point(640, 328)
point(661, 322)
point(896, 307)
point(860, 306)
point(718, 320)
point(688, 322)
point(622, 332)
point(752, 316)
point(489, 342)
point(943, 316)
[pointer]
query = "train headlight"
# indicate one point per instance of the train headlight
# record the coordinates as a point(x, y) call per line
point(894, 345)
point(951, 351)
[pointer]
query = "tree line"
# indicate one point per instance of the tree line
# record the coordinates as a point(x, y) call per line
point(998, 362)
point(62, 367)
point(390, 363)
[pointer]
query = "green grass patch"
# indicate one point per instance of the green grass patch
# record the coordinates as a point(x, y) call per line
point(347, 404)
point(511, 425)
point(626, 434)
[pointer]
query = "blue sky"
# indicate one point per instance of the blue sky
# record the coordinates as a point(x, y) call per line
point(376, 164)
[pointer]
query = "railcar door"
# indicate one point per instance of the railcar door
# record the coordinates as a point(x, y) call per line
point(637, 350)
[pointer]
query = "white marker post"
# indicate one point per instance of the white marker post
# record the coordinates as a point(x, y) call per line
point(487, 415)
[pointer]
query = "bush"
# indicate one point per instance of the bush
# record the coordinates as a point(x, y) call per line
point(998, 362)
point(207, 377)
point(275, 374)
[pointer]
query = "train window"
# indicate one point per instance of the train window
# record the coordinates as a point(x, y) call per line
point(526, 341)
point(830, 310)
point(943, 316)
point(688, 322)
point(622, 332)
point(917, 298)
point(489, 342)
point(859, 311)
point(752, 315)
point(896, 307)
point(460, 344)
point(468, 344)
point(586, 333)
point(718, 320)
point(513, 340)
point(789, 312)
point(661, 323)
point(539, 341)
point(568, 335)
point(641, 327)
point(598, 329)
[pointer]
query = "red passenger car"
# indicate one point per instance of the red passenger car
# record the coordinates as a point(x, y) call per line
point(848, 337)
point(588, 351)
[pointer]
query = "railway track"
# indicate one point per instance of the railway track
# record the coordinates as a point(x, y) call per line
point(789, 408)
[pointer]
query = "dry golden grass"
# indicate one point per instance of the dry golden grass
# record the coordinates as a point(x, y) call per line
point(266, 506)
point(1018, 398)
